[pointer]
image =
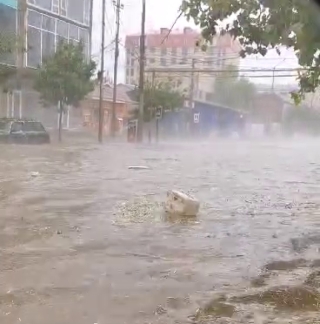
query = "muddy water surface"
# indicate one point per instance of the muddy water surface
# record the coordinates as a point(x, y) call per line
point(84, 240)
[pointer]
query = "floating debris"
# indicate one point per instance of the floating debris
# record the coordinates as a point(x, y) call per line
point(138, 167)
point(179, 203)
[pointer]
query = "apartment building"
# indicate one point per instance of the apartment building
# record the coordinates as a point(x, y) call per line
point(41, 24)
point(166, 51)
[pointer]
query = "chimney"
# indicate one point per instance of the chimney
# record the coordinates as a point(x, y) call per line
point(164, 31)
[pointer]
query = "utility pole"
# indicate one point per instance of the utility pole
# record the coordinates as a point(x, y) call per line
point(191, 93)
point(141, 75)
point(191, 96)
point(115, 70)
point(101, 108)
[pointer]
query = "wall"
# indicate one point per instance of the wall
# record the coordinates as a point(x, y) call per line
point(173, 54)
point(90, 114)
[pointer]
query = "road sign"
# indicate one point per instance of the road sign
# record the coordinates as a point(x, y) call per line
point(196, 118)
point(159, 113)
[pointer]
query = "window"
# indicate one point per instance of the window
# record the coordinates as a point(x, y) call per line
point(45, 4)
point(60, 39)
point(75, 10)
point(48, 44)
point(152, 61)
point(86, 12)
point(32, 127)
point(163, 52)
point(163, 61)
point(84, 35)
point(63, 7)
point(62, 29)
point(55, 6)
point(174, 56)
point(132, 72)
point(48, 23)
point(74, 32)
point(185, 51)
point(87, 50)
point(34, 19)
point(34, 47)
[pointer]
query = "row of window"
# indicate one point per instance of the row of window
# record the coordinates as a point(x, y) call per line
point(174, 60)
point(57, 26)
point(42, 44)
point(77, 10)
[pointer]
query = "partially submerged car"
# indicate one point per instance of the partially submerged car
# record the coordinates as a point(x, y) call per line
point(22, 131)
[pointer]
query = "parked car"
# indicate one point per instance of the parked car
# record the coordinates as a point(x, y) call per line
point(22, 131)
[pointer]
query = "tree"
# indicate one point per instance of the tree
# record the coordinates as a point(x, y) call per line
point(8, 46)
point(160, 94)
point(261, 25)
point(65, 78)
point(234, 91)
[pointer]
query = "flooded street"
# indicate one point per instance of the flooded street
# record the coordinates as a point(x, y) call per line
point(83, 238)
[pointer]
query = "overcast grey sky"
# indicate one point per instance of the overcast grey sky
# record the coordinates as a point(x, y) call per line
point(162, 13)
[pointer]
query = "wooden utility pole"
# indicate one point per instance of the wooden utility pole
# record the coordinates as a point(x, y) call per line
point(141, 75)
point(191, 93)
point(115, 70)
point(101, 108)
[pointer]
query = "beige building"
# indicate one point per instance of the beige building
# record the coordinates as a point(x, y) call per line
point(172, 56)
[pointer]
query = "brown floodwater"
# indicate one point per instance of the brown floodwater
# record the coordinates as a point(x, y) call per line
point(84, 239)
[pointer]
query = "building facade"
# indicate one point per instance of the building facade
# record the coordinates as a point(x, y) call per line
point(124, 106)
point(167, 51)
point(41, 25)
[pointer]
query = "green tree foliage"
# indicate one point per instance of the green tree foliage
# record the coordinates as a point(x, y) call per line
point(261, 25)
point(8, 45)
point(234, 91)
point(65, 78)
point(160, 94)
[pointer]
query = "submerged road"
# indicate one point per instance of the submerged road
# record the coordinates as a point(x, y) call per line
point(83, 238)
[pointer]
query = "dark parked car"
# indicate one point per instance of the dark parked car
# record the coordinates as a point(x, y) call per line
point(22, 131)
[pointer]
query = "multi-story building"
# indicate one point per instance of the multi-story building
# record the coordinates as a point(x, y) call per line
point(40, 25)
point(166, 52)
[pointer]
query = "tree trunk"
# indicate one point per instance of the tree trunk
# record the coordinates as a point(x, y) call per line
point(60, 121)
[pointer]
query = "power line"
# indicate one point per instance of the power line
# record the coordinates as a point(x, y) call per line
point(188, 70)
point(170, 30)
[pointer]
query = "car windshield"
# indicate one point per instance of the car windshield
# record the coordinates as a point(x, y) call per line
point(32, 127)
